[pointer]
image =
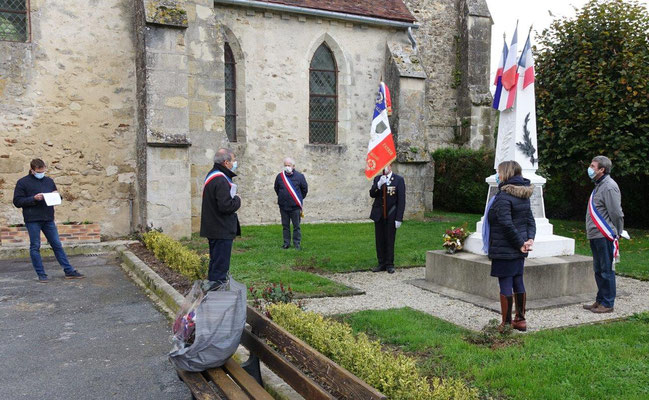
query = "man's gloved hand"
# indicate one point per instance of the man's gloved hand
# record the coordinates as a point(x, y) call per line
point(382, 180)
point(397, 224)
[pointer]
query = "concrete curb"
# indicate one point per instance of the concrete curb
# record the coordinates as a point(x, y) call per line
point(164, 291)
point(8, 253)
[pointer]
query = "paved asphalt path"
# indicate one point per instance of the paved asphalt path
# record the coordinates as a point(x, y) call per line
point(93, 338)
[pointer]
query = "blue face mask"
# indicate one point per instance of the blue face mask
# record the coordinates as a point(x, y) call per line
point(591, 173)
point(39, 175)
point(234, 166)
point(497, 179)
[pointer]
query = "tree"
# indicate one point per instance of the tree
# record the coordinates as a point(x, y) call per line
point(592, 95)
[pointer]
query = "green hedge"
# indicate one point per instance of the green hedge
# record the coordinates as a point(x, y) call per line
point(460, 179)
point(176, 256)
point(396, 377)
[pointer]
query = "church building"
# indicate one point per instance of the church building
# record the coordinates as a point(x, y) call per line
point(127, 101)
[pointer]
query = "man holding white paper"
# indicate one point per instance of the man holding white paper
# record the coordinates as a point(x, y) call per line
point(36, 194)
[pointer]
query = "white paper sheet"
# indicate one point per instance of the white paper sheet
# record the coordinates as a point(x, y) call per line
point(52, 199)
point(233, 190)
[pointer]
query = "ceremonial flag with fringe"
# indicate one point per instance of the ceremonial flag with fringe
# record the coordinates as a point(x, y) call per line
point(380, 150)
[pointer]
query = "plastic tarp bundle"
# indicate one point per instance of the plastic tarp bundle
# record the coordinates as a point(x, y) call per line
point(219, 321)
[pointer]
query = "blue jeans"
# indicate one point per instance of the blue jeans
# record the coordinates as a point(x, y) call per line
point(604, 275)
point(220, 252)
point(52, 235)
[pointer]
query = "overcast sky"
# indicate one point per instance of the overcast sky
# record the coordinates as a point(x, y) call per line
point(527, 12)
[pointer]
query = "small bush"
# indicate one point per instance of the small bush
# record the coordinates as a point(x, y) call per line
point(395, 376)
point(460, 179)
point(176, 256)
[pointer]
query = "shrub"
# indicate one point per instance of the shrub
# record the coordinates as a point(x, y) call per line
point(460, 179)
point(395, 376)
point(176, 256)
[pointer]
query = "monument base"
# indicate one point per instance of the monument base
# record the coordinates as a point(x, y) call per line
point(544, 246)
point(549, 282)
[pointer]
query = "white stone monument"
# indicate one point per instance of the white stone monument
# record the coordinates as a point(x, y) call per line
point(517, 142)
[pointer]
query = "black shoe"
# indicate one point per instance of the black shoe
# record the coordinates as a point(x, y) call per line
point(379, 268)
point(74, 275)
point(43, 279)
point(297, 247)
point(390, 270)
point(285, 246)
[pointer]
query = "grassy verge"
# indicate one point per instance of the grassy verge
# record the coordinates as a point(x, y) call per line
point(608, 361)
point(344, 247)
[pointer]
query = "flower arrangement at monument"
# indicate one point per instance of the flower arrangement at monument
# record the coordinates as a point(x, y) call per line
point(454, 239)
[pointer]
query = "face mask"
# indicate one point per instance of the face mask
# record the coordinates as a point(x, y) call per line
point(234, 166)
point(497, 179)
point(386, 171)
point(288, 169)
point(39, 175)
point(591, 173)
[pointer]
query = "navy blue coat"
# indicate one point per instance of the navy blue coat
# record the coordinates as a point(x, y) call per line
point(34, 210)
point(395, 199)
point(284, 198)
point(511, 222)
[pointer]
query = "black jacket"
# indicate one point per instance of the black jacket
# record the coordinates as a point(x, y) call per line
point(34, 210)
point(284, 198)
point(511, 222)
point(218, 213)
point(395, 195)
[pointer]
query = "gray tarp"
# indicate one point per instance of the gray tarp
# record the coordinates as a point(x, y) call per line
point(220, 319)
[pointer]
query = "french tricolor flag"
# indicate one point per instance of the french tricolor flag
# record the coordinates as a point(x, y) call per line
point(510, 73)
point(526, 64)
point(500, 95)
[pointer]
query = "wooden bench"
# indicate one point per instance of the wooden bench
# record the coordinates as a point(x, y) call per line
point(306, 370)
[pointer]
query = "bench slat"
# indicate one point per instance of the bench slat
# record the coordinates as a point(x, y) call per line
point(197, 384)
point(223, 381)
point(245, 381)
point(335, 376)
point(302, 384)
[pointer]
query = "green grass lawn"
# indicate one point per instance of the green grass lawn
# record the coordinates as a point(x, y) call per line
point(344, 247)
point(606, 361)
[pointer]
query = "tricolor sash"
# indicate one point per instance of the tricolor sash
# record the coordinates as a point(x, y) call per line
point(296, 195)
point(213, 175)
point(604, 228)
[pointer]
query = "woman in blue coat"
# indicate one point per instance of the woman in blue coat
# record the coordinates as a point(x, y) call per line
point(511, 236)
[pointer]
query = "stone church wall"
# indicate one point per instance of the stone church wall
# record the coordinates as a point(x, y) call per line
point(68, 97)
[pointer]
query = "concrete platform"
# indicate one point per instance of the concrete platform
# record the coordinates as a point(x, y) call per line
point(549, 282)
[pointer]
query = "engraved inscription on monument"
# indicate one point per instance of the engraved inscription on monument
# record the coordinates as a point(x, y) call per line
point(536, 202)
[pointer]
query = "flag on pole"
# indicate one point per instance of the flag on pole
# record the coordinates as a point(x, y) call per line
point(500, 95)
point(526, 63)
point(380, 150)
point(510, 71)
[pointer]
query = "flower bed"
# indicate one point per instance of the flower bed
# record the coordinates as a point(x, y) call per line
point(69, 233)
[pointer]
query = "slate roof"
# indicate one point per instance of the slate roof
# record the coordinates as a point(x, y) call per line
point(385, 9)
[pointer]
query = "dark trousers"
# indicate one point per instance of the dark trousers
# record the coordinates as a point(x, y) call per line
point(289, 217)
point(220, 252)
point(604, 275)
point(52, 234)
point(384, 234)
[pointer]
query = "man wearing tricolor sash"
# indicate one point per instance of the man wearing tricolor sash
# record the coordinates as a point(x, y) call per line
point(291, 189)
point(604, 225)
point(219, 221)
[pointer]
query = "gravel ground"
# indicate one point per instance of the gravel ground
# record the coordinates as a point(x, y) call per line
point(384, 291)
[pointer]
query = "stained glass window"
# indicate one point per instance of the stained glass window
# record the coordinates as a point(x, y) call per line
point(230, 95)
point(14, 20)
point(323, 97)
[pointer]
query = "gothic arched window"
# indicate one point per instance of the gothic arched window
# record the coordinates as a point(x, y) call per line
point(323, 97)
point(230, 94)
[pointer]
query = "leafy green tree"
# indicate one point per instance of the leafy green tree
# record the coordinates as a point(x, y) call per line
point(592, 98)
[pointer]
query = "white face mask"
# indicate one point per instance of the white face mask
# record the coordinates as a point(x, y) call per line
point(234, 166)
point(386, 171)
point(39, 175)
point(288, 169)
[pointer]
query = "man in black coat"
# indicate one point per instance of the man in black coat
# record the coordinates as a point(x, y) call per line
point(291, 189)
point(219, 221)
point(38, 216)
point(389, 194)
